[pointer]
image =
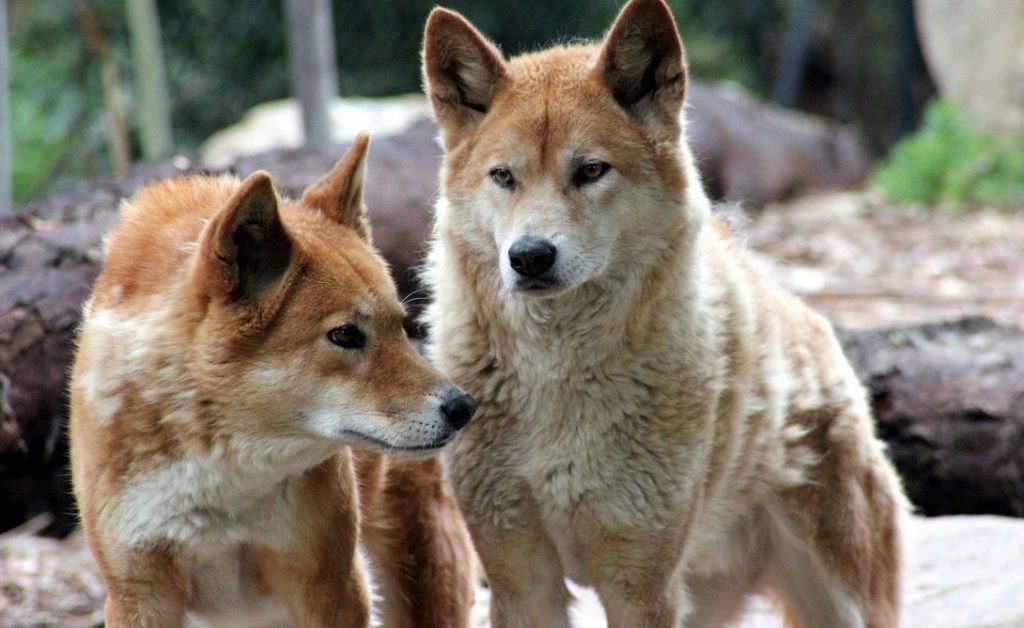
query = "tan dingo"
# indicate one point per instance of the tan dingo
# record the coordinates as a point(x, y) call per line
point(234, 346)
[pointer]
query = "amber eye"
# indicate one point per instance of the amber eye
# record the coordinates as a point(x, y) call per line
point(590, 172)
point(503, 177)
point(348, 336)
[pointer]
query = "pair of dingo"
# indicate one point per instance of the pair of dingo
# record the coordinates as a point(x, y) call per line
point(655, 420)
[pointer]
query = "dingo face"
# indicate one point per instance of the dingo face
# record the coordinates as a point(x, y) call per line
point(558, 164)
point(332, 358)
point(337, 363)
point(288, 323)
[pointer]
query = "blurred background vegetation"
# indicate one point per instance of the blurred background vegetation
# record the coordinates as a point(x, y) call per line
point(859, 63)
point(950, 161)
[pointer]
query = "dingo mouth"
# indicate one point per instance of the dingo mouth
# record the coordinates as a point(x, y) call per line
point(539, 287)
point(377, 444)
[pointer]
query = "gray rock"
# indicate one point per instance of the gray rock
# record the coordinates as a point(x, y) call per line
point(975, 52)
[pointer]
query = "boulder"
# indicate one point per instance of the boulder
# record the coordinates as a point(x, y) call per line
point(975, 53)
point(277, 125)
point(754, 153)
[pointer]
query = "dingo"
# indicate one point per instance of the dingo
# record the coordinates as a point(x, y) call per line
point(234, 345)
point(656, 420)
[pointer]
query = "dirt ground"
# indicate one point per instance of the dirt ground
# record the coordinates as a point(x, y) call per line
point(966, 570)
point(865, 264)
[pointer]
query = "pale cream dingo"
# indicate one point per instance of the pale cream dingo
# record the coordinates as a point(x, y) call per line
point(656, 419)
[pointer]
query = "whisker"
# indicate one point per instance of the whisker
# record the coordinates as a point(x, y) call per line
point(414, 295)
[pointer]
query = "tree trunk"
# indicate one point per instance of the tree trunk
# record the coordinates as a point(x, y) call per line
point(975, 52)
point(6, 193)
point(117, 128)
point(312, 63)
point(153, 108)
point(790, 76)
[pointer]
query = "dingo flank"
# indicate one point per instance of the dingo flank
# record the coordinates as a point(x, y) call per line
point(656, 420)
point(234, 345)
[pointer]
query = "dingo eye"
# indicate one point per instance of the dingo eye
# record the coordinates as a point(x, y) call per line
point(503, 177)
point(590, 172)
point(348, 336)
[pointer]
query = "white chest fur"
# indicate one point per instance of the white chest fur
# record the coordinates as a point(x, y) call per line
point(214, 510)
point(595, 448)
point(205, 501)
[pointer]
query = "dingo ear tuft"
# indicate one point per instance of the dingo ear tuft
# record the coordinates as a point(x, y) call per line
point(461, 71)
point(244, 248)
point(339, 193)
point(643, 63)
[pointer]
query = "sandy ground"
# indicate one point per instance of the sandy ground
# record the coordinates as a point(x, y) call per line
point(964, 572)
point(867, 264)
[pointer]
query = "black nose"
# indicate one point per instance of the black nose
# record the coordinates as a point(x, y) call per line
point(531, 257)
point(458, 408)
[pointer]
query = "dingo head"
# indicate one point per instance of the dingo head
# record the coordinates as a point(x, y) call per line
point(302, 327)
point(560, 163)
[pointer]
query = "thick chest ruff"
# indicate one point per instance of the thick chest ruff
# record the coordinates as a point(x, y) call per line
point(202, 502)
point(586, 442)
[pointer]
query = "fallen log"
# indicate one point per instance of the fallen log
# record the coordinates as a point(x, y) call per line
point(752, 153)
point(949, 401)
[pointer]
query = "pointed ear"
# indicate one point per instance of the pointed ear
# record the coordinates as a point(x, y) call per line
point(244, 248)
point(339, 193)
point(461, 71)
point(643, 63)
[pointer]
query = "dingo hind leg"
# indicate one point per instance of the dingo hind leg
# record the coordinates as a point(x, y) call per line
point(836, 554)
point(422, 557)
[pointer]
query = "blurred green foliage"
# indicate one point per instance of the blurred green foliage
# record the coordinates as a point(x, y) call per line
point(56, 101)
point(36, 129)
point(949, 161)
point(379, 45)
point(224, 57)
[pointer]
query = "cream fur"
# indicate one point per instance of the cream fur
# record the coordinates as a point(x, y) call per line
point(668, 428)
